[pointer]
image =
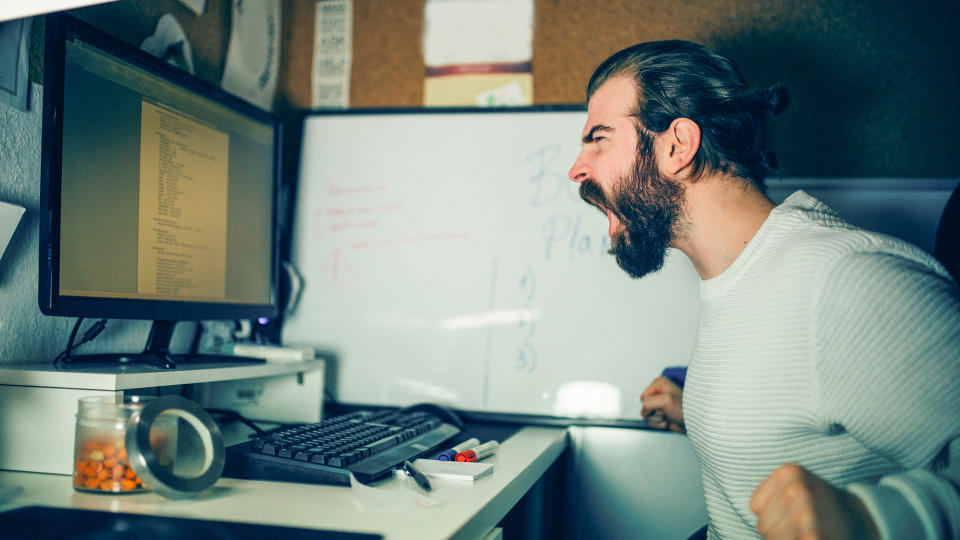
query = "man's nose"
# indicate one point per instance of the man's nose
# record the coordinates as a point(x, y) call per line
point(580, 171)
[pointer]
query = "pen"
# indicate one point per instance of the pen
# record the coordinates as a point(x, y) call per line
point(418, 476)
point(451, 454)
point(478, 452)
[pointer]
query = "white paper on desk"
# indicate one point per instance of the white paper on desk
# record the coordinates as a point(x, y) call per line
point(253, 56)
point(14, 62)
point(398, 495)
point(453, 470)
point(10, 215)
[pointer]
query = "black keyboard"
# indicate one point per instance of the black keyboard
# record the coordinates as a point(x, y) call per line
point(367, 443)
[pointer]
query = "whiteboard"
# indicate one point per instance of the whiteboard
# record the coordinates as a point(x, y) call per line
point(446, 257)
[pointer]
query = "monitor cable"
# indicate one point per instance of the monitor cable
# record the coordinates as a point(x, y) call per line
point(230, 414)
point(89, 335)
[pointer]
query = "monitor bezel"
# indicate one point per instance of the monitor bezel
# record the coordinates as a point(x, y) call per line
point(59, 29)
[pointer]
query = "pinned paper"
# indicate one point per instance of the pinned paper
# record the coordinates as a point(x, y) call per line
point(169, 43)
point(478, 52)
point(253, 56)
point(332, 54)
point(394, 496)
point(10, 215)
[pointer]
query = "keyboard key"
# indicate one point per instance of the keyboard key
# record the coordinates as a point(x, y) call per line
point(382, 444)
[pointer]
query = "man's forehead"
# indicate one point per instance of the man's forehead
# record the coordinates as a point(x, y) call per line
point(612, 103)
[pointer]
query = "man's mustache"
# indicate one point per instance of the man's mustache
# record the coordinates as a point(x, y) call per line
point(593, 194)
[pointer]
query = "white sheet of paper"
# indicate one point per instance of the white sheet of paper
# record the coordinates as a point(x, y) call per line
point(392, 496)
point(10, 215)
point(477, 32)
point(253, 56)
point(453, 470)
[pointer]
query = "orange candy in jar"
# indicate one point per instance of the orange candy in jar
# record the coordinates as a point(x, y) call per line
point(100, 456)
point(103, 466)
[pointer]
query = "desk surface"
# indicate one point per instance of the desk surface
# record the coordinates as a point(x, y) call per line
point(465, 511)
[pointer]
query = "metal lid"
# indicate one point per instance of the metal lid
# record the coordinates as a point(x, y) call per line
point(175, 447)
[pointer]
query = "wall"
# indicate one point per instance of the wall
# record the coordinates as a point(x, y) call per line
point(26, 335)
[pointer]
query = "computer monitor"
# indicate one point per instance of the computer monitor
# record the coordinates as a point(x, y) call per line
point(159, 196)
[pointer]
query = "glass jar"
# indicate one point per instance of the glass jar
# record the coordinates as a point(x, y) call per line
point(100, 460)
point(168, 442)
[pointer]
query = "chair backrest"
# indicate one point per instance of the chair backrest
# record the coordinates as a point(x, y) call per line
point(947, 248)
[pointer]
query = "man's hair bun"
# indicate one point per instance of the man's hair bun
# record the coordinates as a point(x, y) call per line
point(776, 98)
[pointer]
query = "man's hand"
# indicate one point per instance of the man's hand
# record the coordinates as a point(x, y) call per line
point(795, 503)
point(662, 405)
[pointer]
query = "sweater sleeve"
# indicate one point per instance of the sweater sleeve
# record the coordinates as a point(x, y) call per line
point(888, 364)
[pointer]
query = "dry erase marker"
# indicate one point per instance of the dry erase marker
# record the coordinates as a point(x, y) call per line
point(451, 454)
point(479, 452)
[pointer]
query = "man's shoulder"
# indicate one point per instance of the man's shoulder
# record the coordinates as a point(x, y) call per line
point(807, 229)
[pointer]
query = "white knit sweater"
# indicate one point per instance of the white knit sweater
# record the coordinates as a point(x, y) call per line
point(837, 349)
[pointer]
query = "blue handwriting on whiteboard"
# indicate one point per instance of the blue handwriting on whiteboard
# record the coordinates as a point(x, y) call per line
point(562, 235)
point(548, 182)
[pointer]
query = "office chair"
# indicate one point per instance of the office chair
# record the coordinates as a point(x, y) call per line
point(947, 247)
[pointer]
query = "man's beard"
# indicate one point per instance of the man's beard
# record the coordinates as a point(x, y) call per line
point(649, 206)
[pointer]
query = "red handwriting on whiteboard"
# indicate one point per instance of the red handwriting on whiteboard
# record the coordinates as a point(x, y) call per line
point(347, 218)
point(355, 190)
point(411, 240)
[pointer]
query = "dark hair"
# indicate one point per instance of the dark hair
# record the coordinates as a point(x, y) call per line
point(683, 79)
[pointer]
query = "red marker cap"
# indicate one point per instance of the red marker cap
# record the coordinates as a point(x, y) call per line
point(467, 456)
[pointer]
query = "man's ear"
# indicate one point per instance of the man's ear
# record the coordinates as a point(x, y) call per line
point(678, 145)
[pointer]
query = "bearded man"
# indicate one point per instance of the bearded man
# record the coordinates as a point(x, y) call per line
point(821, 397)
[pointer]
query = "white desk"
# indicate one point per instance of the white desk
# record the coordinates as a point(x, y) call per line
point(466, 511)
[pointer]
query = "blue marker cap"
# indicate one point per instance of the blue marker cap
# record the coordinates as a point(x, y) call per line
point(447, 455)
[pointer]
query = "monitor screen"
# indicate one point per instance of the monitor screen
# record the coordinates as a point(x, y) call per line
point(159, 192)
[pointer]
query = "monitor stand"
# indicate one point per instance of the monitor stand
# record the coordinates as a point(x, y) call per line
point(157, 353)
